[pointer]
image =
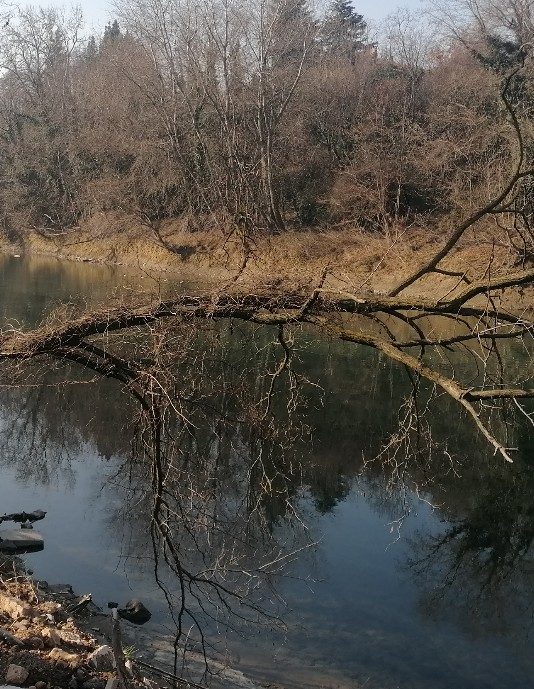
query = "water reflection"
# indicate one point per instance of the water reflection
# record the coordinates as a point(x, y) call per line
point(479, 570)
point(218, 505)
point(32, 287)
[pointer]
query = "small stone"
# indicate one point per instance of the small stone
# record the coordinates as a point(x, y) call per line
point(51, 638)
point(35, 642)
point(149, 683)
point(63, 658)
point(40, 685)
point(94, 684)
point(102, 659)
point(16, 674)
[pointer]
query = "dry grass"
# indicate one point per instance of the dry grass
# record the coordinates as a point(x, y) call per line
point(356, 260)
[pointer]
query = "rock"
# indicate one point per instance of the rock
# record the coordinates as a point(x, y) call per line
point(35, 642)
point(20, 540)
point(60, 657)
point(14, 608)
point(16, 674)
point(94, 684)
point(112, 683)
point(134, 611)
point(61, 589)
point(40, 685)
point(80, 675)
point(51, 638)
point(149, 683)
point(102, 659)
point(10, 639)
point(73, 683)
point(50, 607)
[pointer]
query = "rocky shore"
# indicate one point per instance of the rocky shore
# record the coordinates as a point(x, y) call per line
point(51, 638)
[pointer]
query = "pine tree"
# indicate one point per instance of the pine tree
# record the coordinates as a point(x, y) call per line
point(111, 33)
point(294, 24)
point(343, 30)
point(91, 49)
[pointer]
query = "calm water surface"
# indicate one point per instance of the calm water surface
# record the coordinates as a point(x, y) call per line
point(432, 590)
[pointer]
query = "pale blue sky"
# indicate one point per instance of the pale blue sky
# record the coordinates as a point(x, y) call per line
point(375, 10)
point(98, 12)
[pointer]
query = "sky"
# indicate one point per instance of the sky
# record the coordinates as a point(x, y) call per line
point(375, 10)
point(98, 12)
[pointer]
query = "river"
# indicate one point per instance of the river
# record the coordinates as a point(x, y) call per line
point(412, 573)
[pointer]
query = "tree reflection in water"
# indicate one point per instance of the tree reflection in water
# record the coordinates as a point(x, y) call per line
point(215, 467)
point(210, 466)
point(479, 571)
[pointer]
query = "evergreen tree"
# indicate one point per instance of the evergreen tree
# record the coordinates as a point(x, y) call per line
point(501, 55)
point(91, 49)
point(292, 29)
point(111, 33)
point(343, 30)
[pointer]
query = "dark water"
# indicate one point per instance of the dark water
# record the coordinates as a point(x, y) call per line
point(417, 573)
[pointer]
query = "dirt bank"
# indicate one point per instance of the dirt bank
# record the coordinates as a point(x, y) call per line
point(356, 261)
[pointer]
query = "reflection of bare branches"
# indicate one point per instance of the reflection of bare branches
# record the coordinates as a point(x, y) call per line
point(484, 556)
point(212, 477)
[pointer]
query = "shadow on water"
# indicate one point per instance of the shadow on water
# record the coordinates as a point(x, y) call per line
point(244, 506)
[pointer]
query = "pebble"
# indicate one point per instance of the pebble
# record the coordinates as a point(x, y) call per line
point(61, 657)
point(35, 642)
point(16, 674)
point(51, 638)
point(94, 684)
point(102, 659)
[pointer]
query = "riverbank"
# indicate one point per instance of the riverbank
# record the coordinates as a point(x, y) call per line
point(356, 261)
point(50, 638)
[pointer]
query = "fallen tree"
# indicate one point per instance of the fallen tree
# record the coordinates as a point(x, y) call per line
point(369, 321)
